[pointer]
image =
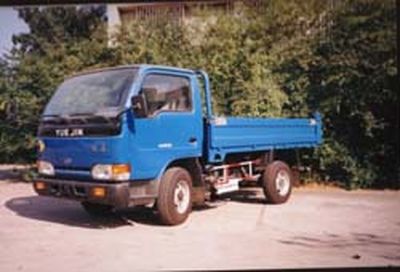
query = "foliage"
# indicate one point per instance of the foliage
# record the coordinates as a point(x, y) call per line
point(289, 58)
point(351, 78)
point(35, 66)
point(57, 25)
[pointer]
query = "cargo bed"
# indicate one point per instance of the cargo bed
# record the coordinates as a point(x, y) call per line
point(235, 135)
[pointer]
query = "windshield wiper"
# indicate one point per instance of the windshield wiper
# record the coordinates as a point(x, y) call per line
point(82, 114)
point(49, 115)
point(108, 116)
point(55, 117)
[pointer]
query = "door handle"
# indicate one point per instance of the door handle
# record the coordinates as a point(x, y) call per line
point(192, 140)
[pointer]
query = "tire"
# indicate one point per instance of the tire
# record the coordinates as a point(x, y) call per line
point(277, 181)
point(95, 209)
point(174, 202)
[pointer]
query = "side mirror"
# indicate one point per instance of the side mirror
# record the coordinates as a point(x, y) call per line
point(139, 106)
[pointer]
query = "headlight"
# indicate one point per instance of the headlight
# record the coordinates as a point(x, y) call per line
point(45, 168)
point(117, 172)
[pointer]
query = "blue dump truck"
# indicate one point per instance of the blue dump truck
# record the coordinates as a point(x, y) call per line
point(145, 135)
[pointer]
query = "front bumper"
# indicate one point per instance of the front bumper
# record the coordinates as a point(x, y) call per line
point(119, 195)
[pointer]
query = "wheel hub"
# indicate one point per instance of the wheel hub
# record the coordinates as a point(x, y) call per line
point(181, 196)
point(282, 183)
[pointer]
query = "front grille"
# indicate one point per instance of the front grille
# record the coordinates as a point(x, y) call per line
point(72, 168)
point(87, 130)
point(89, 126)
point(73, 173)
point(68, 190)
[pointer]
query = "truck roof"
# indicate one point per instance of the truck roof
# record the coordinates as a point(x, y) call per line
point(137, 66)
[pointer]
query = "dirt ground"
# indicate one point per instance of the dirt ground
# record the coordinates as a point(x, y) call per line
point(318, 227)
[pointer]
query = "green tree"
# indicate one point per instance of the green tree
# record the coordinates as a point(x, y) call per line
point(57, 25)
point(61, 42)
point(351, 77)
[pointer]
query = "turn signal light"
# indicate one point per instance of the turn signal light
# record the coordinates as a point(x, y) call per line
point(99, 192)
point(121, 169)
point(39, 185)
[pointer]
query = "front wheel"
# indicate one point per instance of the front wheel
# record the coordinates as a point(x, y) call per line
point(174, 202)
point(277, 181)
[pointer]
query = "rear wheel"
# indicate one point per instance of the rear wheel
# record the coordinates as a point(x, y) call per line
point(96, 209)
point(174, 202)
point(277, 181)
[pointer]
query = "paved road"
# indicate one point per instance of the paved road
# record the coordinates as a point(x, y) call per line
point(316, 228)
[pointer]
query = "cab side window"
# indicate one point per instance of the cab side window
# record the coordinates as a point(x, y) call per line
point(166, 93)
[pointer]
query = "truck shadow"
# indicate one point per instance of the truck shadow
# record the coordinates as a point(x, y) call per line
point(247, 195)
point(72, 214)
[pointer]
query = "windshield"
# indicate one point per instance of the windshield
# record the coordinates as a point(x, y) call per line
point(92, 93)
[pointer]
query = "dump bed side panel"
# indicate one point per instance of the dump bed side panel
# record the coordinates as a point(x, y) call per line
point(234, 135)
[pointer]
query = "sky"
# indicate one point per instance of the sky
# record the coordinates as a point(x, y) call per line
point(9, 24)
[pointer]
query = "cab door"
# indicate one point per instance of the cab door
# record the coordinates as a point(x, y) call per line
point(172, 128)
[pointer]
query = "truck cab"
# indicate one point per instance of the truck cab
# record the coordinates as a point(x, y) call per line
point(145, 135)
